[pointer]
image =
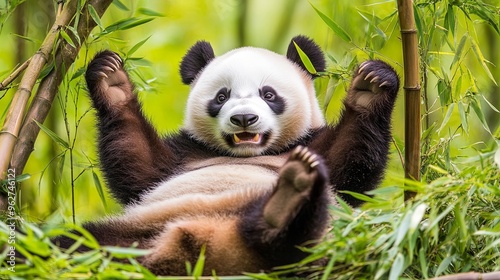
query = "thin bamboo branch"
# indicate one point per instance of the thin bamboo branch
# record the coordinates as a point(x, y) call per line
point(6, 82)
point(412, 91)
point(47, 90)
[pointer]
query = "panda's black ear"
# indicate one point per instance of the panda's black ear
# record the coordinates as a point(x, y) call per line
point(195, 60)
point(311, 49)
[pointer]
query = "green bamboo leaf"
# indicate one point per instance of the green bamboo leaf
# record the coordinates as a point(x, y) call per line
point(482, 60)
point(53, 135)
point(137, 46)
point(360, 196)
point(459, 50)
point(446, 117)
point(397, 267)
point(95, 16)
point(148, 12)
point(374, 26)
point(99, 188)
point(66, 38)
point(463, 117)
point(123, 252)
point(449, 21)
point(333, 26)
point(200, 263)
point(444, 265)
point(120, 5)
point(479, 113)
point(75, 34)
point(307, 62)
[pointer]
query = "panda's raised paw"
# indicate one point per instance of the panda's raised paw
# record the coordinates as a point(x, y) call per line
point(297, 178)
point(107, 81)
point(373, 80)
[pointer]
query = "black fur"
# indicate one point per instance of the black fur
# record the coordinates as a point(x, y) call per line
point(276, 103)
point(195, 60)
point(311, 49)
point(219, 100)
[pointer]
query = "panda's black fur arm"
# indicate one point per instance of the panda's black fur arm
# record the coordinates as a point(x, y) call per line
point(133, 157)
point(356, 148)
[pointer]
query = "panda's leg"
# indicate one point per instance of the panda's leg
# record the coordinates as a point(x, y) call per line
point(182, 241)
point(356, 149)
point(132, 155)
point(295, 213)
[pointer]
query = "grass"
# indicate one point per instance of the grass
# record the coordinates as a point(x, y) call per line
point(452, 226)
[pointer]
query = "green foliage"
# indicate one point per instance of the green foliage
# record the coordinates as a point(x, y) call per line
point(45, 260)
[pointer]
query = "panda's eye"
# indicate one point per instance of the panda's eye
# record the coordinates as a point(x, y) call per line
point(221, 97)
point(269, 96)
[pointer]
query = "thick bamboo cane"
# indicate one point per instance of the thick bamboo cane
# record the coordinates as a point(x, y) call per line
point(15, 114)
point(47, 90)
point(412, 91)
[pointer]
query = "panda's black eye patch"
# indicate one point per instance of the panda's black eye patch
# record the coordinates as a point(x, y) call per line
point(216, 104)
point(273, 100)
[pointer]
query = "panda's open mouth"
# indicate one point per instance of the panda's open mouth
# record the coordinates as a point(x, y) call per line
point(248, 138)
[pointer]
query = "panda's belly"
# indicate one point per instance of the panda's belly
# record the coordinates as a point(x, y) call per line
point(212, 177)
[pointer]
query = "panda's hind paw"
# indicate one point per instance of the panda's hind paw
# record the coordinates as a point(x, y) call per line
point(297, 179)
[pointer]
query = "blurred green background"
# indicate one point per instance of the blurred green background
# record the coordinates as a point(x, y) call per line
point(177, 24)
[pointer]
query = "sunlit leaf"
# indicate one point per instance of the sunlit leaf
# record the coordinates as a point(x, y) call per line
point(307, 62)
point(482, 60)
point(98, 186)
point(148, 12)
point(479, 113)
point(120, 5)
point(95, 16)
point(53, 135)
point(137, 46)
point(333, 26)
point(66, 38)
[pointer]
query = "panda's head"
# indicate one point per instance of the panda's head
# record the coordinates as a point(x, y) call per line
point(251, 101)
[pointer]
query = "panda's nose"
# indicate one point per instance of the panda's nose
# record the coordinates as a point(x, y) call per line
point(244, 120)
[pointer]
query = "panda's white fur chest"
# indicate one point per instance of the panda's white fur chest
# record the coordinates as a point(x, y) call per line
point(220, 176)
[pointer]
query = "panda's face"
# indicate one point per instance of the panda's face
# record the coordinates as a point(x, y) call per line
point(251, 101)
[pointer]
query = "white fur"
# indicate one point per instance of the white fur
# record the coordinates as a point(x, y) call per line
point(244, 71)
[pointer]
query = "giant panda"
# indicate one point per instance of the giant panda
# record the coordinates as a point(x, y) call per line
point(251, 173)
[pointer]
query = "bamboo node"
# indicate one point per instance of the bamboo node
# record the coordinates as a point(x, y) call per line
point(42, 54)
point(8, 132)
point(415, 88)
point(23, 89)
point(408, 31)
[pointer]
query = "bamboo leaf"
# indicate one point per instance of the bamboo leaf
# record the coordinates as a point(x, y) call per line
point(99, 188)
point(137, 46)
point(397, 267)
point(482, 60)
point(66, 38)
point(120, 5)
point(463, 117)
point(333, 26)
point(479, 113)
point(151, 13)
point(307, 62)
point(446, 117)
point(53, 135)
point(459, 50)
point(95, 16)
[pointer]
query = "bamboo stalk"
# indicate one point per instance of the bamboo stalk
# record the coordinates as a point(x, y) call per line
point(412, 91)
point(47, 90)
point(471, 276)
point(15, 114)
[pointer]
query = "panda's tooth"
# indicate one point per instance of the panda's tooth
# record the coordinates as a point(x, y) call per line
point(236, 138)
point(256, 138)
